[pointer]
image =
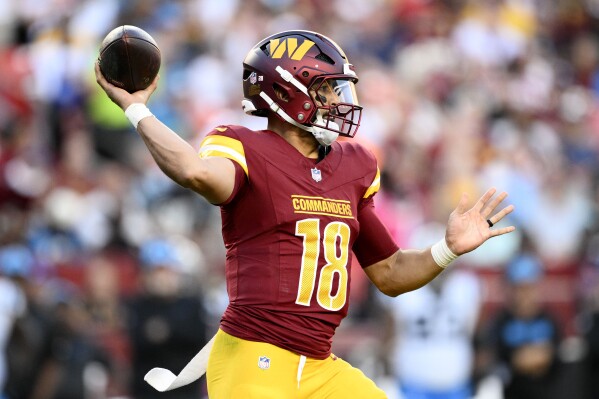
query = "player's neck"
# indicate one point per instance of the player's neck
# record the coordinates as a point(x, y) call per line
point(301, 140)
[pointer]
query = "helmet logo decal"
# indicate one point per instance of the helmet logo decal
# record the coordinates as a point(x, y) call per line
point(289, 45)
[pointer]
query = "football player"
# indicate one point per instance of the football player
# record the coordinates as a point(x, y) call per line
point(296, 205)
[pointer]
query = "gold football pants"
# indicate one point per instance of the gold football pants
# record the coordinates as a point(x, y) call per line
point(240, 369)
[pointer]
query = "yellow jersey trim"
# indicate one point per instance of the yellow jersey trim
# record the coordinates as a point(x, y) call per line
point(224, 147)
point(375, 185)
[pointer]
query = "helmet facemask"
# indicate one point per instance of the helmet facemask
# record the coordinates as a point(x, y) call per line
point(336, 105)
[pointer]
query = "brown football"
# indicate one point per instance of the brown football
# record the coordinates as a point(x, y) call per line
point(129, 58)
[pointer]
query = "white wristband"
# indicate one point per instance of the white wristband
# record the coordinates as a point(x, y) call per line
point(442, 255)
point(136, 112)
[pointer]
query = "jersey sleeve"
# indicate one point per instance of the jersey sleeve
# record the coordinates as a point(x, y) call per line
point(374, 242)
point(240, 183)
point(224, 142)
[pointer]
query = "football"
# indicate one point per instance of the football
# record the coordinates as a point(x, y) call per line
point(129, 58)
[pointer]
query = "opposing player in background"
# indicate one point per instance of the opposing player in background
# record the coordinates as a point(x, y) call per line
point(295, 204)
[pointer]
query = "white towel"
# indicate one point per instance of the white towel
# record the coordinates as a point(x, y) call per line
point(164, 380)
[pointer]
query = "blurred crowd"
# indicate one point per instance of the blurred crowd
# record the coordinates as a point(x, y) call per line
point(108, 269)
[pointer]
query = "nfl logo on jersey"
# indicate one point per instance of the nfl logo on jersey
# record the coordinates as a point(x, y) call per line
point(263, 362)
point(316, 175)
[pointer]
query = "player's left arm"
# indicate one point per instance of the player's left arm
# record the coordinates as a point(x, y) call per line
point(467, 229)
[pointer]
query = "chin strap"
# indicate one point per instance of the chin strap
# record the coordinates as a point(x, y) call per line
point(323, 136)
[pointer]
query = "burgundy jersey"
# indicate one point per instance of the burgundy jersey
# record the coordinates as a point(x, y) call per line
point(290, 229)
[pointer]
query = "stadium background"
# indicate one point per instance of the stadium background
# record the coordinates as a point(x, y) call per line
point(459, 95)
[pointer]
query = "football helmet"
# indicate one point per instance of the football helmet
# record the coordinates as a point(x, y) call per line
point(306, 79)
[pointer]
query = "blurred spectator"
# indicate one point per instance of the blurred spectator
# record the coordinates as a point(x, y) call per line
point(72, 366)
point(520, 344)
point(589, 311)
point(432, 355)
point(166, 323)
point(104, 279)
point(31, 332)
point(495, 32)
point(14, 262)
point(591, 335)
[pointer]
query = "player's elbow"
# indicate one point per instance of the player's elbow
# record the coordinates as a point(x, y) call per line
point(214, 181)
point(389, 290)
point(194, 178)
point(395, 287)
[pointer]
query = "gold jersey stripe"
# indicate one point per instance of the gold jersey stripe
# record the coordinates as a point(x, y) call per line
point(224, 147)
point(375, 185)
point(216, 139)
point(224, 152)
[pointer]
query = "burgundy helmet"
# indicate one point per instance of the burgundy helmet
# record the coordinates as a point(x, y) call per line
point(306, 79)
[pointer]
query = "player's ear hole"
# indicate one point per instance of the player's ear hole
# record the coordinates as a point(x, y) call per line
point(281, 93)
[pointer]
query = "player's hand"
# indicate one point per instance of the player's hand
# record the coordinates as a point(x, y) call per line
point(121, 97)
point(467, 228)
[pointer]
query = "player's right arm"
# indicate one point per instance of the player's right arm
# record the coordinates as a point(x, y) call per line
point(213, 177)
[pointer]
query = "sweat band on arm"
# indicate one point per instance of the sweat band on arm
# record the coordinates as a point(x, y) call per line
point(442, 255)
point(136, 112)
